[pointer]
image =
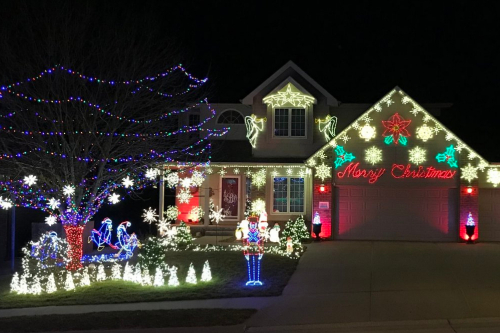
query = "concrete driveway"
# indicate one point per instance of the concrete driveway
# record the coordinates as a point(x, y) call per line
point(351, 281)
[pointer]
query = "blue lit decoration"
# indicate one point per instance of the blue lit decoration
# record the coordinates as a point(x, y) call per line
point(125, 241)
point(448, 157)
point(342, 156)
point(95, 171)
point(102, 236)
point(46, 249)
point(253, 249)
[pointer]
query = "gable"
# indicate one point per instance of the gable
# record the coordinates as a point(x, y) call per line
point(397, 136)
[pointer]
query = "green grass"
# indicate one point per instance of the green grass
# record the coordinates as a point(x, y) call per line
point(126, 320)
point(228, 280)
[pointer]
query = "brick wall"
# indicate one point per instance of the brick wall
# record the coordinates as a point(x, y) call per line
point(469, 202)
point(325, 214)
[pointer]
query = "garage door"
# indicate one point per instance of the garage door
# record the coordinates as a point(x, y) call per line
point(414, 214)
point(489, 215)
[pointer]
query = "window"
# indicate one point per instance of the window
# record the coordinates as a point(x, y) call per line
point(290, 122)
point(288, 195)
point(231, 117)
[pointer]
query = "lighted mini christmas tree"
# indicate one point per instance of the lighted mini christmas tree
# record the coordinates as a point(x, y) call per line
point(183, 236)
point(50, 286)
point(470, 220)
point(23, 284)
point(138, 274)
point(158, 281)
point(116, 271)
point(128, 274)
point(14, 285)
point(297, 230)
point(35, 287)
point(173, 281)
point(69, 284)
point(85, 280)
point(146, 277)
point(191, 275)
point(101, 274)
point(206, 275)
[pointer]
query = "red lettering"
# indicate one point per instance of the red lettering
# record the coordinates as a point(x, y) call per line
point(352, 171)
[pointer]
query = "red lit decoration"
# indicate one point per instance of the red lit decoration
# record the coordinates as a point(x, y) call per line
point(469, 190)
point(75, 251)
point(323, 189)
point(395, 129)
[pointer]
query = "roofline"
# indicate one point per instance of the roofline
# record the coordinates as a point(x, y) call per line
point(330, 100)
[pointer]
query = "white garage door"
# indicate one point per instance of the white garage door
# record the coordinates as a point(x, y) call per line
point(380, 213)
point(489, 215)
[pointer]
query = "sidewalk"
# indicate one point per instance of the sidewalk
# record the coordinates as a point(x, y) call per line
point(363, 287)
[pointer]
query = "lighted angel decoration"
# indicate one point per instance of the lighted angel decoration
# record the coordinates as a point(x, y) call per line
point(327, 126)
point(254, 125)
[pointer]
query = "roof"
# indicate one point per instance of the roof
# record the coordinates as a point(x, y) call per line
point(330, 100)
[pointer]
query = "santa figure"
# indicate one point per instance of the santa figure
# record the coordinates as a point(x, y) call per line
point(289, 245)
point(275, 233)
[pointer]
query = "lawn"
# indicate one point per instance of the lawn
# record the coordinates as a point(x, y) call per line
point(126, 320)
point(228, 280)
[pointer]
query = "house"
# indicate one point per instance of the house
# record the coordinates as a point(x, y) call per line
point(387, 171)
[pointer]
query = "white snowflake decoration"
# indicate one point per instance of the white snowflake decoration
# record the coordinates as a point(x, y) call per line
point(209, 170)
point(5, 203)
point(114, 198)
point(222, 172)
point(437, 129)
point(30, 180)
point(258, 206)
point(51, 220)
point(274, 173)
point(427, 118)
point(344, 138)
point(216, 215)
point(388, 101)
point(54, 203)
point(405, 100)
point(236, 171)
point(373, 155)
point(469, 172)
point(355, 125)
point(186, 182)
point(472, 155)
point(333, 143)
point(172, 213)
point(482, 164)
point(152, 173)
point(323, 171)
point(172, 179)
point(414, 111)
point(164, 226)
point(494, 176)
point(197, 178)
point(367, 132)
point(321, 155)
point(259, 178)
point(312, 162)
point(184, 195)
point(127, 182)
point(289, 171)
point(248, 173)
point(197, 213)
point(149, 215)
point(378, 107)
point(417, 155)
point(449, 137)
point(424, 133)
point(302, 173)
point(459, 147)
point(68, 190)
point(366, 118)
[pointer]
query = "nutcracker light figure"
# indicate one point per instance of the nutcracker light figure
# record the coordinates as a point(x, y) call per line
point(253, 249)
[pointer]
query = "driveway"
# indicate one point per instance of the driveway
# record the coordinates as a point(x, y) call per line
point(350, 281)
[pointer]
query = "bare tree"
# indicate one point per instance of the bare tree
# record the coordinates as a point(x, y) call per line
point(87, 107)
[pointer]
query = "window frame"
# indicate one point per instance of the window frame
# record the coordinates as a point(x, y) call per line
point(289, 136)
point(288, 198)
point(231, 218)
point(230, 110)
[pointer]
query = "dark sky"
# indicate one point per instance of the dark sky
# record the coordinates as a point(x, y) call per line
point(358, 51)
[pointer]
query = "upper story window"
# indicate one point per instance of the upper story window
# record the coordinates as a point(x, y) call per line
point(231, 117)
point(288, 195)
point(289, 122)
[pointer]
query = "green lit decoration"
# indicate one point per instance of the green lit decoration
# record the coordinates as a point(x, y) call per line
point(448, 157)
point(342, 156)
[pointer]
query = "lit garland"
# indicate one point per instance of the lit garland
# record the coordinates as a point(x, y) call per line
point(286, 96)
point(254, 125)
point(327, 126)
point(417, 155)
point(373, 155)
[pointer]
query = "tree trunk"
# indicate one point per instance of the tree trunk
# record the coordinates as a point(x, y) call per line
point(74, 237)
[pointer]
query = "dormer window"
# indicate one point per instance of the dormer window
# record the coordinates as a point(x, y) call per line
point(289, 122)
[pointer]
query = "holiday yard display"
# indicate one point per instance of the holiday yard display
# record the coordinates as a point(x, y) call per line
point(125, 242)
point(470, 226)
point(297, 231)
point(274, 234)
point(253, 250)
point(316, 225)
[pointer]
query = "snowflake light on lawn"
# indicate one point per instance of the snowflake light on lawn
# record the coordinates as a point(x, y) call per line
point(54, 203)
point(127, 182)
point(417, 155)
point(152, 173)
point(30, 180)
point(197, 178)
point(323, 171)
point(114, 198)
point(184, 195)
point(469, 172)
point(172, 179)
point(373, 155)
point(68, 190)
point(149, 215)
point(494, 176)
point(51, 220)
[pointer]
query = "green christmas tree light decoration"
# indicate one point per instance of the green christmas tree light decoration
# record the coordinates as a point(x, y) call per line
point(448, 157)
point(296, 230)
point(206, 275)
point(191, 275)
point(342, 156)
point(183, 238)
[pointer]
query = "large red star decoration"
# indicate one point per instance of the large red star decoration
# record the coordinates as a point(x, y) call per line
point(395, 129)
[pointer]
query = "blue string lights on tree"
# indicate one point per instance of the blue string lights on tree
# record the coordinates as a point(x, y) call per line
point(73, 141)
